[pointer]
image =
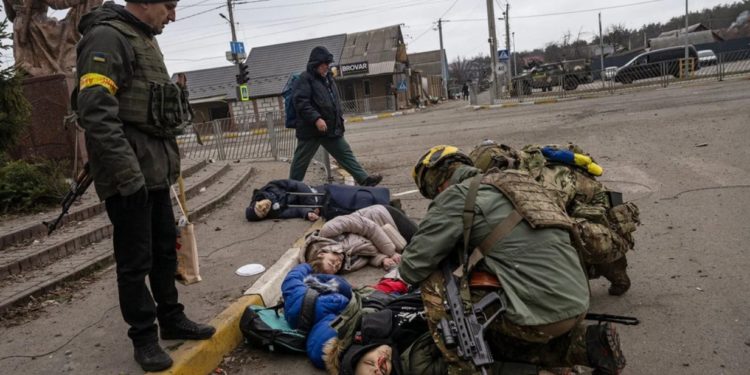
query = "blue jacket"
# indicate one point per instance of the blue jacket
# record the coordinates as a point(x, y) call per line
point(335, 293)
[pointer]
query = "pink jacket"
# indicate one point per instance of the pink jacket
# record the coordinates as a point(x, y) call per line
point(367, 236)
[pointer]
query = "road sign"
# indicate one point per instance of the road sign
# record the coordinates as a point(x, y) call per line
point(237, 47)
point(503, 55)
point(401, 85)
point(244, 92)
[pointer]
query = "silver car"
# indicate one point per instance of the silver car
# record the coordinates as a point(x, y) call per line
point(707, 57)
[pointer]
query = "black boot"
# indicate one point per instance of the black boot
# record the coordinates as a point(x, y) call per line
point(185, 329)
point(372, 180)
point(603, 349)
point(616, 273)
point(152, 357)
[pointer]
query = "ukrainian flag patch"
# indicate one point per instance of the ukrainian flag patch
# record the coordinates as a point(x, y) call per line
point(100, 57)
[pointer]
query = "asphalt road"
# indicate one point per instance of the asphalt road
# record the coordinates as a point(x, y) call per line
point(680, 153)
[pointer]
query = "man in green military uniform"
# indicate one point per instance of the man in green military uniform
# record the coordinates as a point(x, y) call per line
point(604, 227)
point(134, 160)
point(533, 262)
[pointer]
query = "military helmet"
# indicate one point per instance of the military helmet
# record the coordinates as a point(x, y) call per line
point(433, 168)
point(490, 154)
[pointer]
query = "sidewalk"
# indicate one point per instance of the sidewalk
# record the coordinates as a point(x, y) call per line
point(83, 332)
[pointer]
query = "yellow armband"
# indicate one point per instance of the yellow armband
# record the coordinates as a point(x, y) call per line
point(96, 79)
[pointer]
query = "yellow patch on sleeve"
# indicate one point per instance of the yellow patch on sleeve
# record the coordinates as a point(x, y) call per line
point(96, 79)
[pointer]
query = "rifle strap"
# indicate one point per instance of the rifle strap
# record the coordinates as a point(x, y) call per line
point(471, 198)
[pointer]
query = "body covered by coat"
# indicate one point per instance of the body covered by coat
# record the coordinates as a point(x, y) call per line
point(277, 191)
point(334, 295)
point(317, 97)
point(366, 236)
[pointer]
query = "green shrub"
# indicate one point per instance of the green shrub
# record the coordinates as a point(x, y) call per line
point(28, 186)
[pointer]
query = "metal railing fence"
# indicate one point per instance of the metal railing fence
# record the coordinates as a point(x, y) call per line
point(241, 137)
point(608, 81)
point(369, 105)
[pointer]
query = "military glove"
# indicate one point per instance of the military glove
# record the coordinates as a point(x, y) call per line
point(135, 200)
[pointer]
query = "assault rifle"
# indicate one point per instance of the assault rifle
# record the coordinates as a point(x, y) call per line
point(463, 329)
point(625, 320)
point(77, 188)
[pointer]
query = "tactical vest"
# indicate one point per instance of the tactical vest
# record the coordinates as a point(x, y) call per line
point(150, 101)
point(532, 201)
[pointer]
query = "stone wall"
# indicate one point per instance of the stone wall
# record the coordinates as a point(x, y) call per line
point(47, 135)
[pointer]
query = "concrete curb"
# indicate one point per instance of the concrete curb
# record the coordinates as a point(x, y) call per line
point(202, 357)
point(518, 104)
point(354, 119)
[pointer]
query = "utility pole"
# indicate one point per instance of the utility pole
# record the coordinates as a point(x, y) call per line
point(231, 25)
point(507, 43)
point(515, 64)
point(601, 49)
point(443, 62)
point(493, 48)
point(686, 32)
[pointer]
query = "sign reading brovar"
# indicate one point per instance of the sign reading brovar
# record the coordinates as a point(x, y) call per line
point(354, 68)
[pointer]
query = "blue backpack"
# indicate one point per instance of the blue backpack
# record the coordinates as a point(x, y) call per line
point(290, 119)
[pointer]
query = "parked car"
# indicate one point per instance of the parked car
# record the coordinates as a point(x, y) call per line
point(655, 63)
point(707, 57)
point(609, 73)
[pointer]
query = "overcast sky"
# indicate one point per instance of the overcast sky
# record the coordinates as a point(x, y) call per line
point(200, 36)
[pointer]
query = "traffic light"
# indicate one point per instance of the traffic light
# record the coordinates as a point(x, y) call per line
point(244, 75)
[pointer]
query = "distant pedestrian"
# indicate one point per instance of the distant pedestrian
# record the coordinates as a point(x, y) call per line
point(465, 90)
point(320, 121)
point(131, 137)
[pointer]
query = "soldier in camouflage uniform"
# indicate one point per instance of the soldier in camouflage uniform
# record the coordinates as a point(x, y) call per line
point(132, 113)
point(605, 229)
point(533, 263)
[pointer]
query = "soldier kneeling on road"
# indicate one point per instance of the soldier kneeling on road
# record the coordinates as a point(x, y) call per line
point(604, 224)
point(519, 239)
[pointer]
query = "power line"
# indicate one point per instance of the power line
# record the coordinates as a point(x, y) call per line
point(214, 8)
point(430, 27)
point(449, 9)
point(587, 10)
point(200, 3)
point(316, 22)
point(199, 13)
point(267, 24)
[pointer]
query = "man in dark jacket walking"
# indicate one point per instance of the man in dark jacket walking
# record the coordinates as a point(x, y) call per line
point(320, 121)
point(134, 159)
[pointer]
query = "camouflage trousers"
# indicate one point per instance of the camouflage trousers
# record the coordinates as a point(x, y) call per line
point(561, 344)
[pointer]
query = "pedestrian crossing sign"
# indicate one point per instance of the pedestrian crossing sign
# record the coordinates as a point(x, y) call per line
point(502, 55)
point(401, 85)
point(244, 92)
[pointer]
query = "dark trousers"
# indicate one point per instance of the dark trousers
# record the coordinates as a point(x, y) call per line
point(406, 227)
point(144, 241)
point(337, 147)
